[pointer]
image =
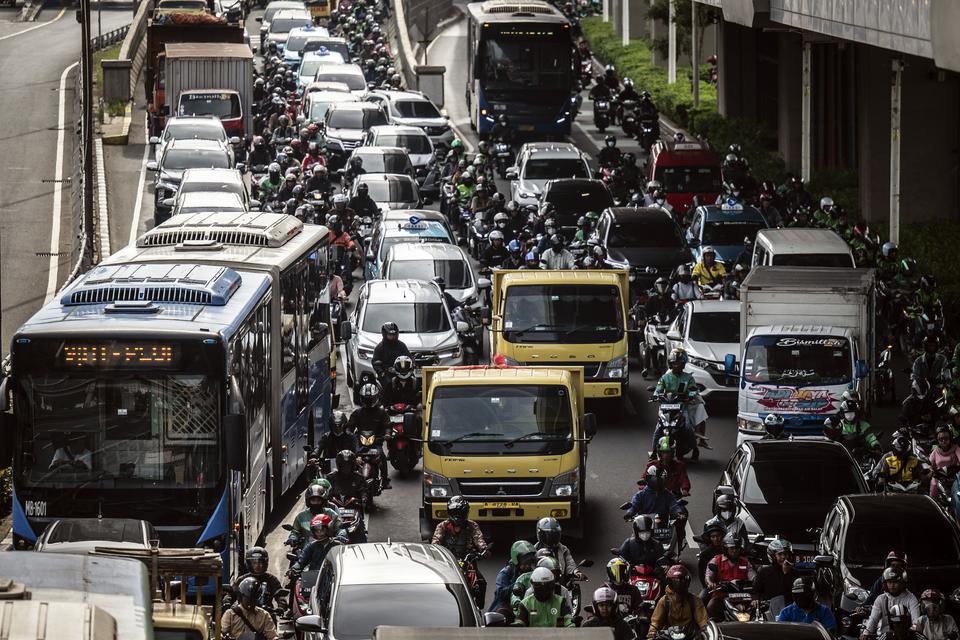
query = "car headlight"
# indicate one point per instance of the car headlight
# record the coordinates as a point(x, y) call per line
point(566, 484)
point(855, 593)
point(451, 353)
point(699, 362)
point(523, 193)
point(749, 425)
point(435, 485)
point(364, 354)
point(617, 368)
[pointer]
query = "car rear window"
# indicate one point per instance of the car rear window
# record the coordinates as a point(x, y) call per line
point(353, 80)
point(646, 233)
point(812, 260)
point(927, 543)
point(416, 109)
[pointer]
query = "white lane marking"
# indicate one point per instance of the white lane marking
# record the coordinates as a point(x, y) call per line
point(691, 543)
point(135, 223)
point(54, 266)
point(104, 215)
point(39, 26)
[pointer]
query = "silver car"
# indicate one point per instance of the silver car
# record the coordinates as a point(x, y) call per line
point(418, 309)
point(540, 162)
point(390, 190)
point(213, 180)
point(192, 128)
point(414, 139)
point(209, 202)
point(178, 156)
point(284, 21)
point(413, 108)
point(426, 261)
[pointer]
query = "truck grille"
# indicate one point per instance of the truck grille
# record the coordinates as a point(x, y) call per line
point(501, 488)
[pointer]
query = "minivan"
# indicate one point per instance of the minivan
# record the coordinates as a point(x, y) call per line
point(801, 248)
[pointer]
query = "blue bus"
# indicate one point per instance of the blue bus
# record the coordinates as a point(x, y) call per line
point(521, 62)
point(278, 362)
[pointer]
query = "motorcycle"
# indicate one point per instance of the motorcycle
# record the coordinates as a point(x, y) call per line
point(341, 262)
point(886, 385)
point(472, 338)
point(653, 349)
point(601, 114)
point(471, 573)
point(338, 315)
point(672, 423)
point(572, 584)
point(303, 584)
point(369, 456)
point(628, 117)
point(503, 156)
point(739, 590)
point(351, 517)
point(649, 134)
point(946, 482)
point(403, 450)
point(586, 71)
point(739, 607)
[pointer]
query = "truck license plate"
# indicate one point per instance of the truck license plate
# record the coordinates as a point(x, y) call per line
point(502, 505)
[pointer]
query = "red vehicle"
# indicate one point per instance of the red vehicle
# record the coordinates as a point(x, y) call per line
point(402, 451)
point(686, 169)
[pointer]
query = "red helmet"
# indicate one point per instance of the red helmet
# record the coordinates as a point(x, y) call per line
point(322, 522)
point(895, 555)
point(678, 572)
point(932, 594)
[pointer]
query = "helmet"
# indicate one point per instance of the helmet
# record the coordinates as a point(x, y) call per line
point(458, 508)
point(610, 141)
point(257, 560)
point(556, 241)
point(732, 541)
point(609, 70)
point(887, 248)
point(928, 283)
point(777, 545)
point(456, 144)
point(403, 367)
point(363, 189)
point(899, 614)
point(892, 574)
point(711, 526)
point(274, 167)
point(653, 185)
point(642, 524)
point(627, 83)
point(249, 591)
point(618, 570)
point(726, 502)
point(346, 460)
point(901, 442)
point(662, 285)
point(677, 356)
point(850, 409)
point(803, 585)
point(389, 329)
point(654, 476)
point(495, 235)
point(316, 496)
point(773, 424)
point(503, 119)
point(604, 595)
point(546, 560)
point(678, 578)
point(708, 249)
point(321, 526)
point(548, 532)
point(542, 580)
point(666, 444)
point(521, 552)
point(339, 199)
point(683, 271)
point(339, 422)
point(369, 394)
point(501, 220)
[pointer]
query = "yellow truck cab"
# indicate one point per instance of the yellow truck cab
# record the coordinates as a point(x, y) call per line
point(565, 318)
point(512, 440)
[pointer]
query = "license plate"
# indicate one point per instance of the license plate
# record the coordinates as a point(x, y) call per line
point(671, 406)
point(665, 531)
point(739, 596)
point(525, 127)
point(502, 505)
point(396, 419)
point(348, 513)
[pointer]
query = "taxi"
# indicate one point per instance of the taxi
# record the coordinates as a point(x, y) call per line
point(389, 232)
point(726, 228)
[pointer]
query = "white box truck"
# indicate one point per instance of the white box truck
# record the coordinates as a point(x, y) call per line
point(807, 335)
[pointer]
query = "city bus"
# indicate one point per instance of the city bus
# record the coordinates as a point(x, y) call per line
point(521, 62)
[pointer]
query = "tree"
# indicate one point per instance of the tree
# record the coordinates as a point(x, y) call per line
point(660, 10)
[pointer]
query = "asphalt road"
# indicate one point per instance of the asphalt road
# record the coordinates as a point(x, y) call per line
point(33, 57)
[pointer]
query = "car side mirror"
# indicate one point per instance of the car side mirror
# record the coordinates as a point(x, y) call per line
point(152, 166)
point(167, 202)
point(674, 335)
point(462, 327)
point(234, 140)
point(824, 562)
point(512, 173)
point(494, 619)
point(235, 435)
point(255, 204)
point(590, 424)
point(312, 624)
point(723, 490)
point(862, 369)
point(730, 364)
point(483, 284)
point(346, 330)
point(154, 140)
point(241, 167)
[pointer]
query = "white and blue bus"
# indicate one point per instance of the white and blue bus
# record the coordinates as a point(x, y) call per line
point(278, 362)
point(523, 63)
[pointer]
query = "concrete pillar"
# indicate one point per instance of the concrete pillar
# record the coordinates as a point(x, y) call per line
point(616, 14)
point(658, 29)
point(625, 23)
point(606, 10)
point(638, 18)
point(873, 131)
point(672, 45)
point(806, 133)
point(737, 68)
point(695, 53)
point(788, 101)
point(896, 93)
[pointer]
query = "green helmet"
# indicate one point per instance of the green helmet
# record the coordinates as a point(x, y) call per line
point(456, 144)
point(666, 444)
point(478, 159)
point(520, 548)
point(592, 215)
point(323, 482)
point(550, 563)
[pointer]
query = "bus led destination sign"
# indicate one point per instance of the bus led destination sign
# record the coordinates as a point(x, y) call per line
point(118, 355)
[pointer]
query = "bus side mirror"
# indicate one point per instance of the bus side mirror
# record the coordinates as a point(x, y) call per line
point(476, 66)
point(410, 423)
point(862, 370)
point(730, 364)
point(590, 424)
point(346, 330)
point(235, 433)
point(4, 395)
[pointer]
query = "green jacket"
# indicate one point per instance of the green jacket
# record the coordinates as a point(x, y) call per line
point(301, 524)
point(555, 612)
point(859, 430)
point(671, 383)
point(822, 219)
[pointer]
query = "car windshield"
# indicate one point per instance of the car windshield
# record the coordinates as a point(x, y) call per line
point(414, 143)
point(269, 12)
point(715, 326)
point(455, 273)
point(384, 162)
point(221, 105)
point(647, 233)
point(553, 168)
point(728, 232)
point(391, 190)
point(177, 159)
point(361, 608)
point(354, 81)
point(562, 313)
point(411, 317)
point(689, 179)
point(194, 131)
point(283, 25)
point(789, 481)
point(931, 543)
point(797, 360)
point(813, 260)
point(487, 416)
point(416, 109)
point(308, 68)
point(355, 118)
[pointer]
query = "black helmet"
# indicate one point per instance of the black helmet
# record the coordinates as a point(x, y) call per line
point(610, 141)
point(662, 285)
point(458, 508)
point(315, 497)
point(346, 460)
point(390, 329)
point(773, 424)
point(901, 443)
point(654, 476)
point(548, 532)
point(803, 585)
point(403, 367)
point(363, 189)
point(732, 541)
point(369, 394)
point(641, 524)
point(249, 592)
point(339, 422)
point(257, 559)
point(726, 502)
point(556, 241)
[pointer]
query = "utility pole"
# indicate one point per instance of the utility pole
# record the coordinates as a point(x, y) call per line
point(87, 131)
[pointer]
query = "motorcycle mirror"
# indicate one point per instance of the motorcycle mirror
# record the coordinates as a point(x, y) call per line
point(255, 204)
point(624, 506)
point(154, 140)
point(152, 166)
point(292, 557)
point(586, 563)
point(614, 551)
point(287, 527)
point(494, 619)
point(462, 327)
point(823, 562)
point(313, 624)
point(674, 335)
point(175, 586)
point(282, 594)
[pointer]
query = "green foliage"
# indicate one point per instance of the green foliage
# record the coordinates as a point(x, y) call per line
point(6, 490)
point(840, 184)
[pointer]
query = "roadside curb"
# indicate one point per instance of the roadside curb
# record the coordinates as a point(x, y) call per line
point(123, 136)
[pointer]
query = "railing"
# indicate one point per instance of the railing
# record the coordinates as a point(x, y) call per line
point(109, 39)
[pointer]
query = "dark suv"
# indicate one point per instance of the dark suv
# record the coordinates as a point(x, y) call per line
point(646, 241)
point(574, 197)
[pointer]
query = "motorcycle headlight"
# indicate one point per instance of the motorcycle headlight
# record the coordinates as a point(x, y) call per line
point(749, 425)
point(566, 484)
point(743, 616)
point(617, 368)
point(364, 354)
point(435, 485)
point(368, 441)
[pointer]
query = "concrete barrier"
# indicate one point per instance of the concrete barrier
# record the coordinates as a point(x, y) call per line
point(132, 51)
point(413, 19)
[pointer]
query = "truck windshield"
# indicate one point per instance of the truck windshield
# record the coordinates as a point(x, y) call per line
point(798, 360)
point(221, 105)
point(562, 313)
point(118, 414)
point(689, 179)
point(484, 418)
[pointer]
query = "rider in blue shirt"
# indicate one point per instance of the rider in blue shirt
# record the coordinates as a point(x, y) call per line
point(654, 499)
point(805, 607)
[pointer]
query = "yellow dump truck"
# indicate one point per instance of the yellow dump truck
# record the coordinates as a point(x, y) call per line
point(512, 440)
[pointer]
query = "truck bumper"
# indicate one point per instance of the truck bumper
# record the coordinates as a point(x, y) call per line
point(603, 389)
point(507, 511)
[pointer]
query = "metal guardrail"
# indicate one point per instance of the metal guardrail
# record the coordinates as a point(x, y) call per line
point(109, 39)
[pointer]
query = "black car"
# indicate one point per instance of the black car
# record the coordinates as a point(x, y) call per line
point(766, 630)
point(785, 488)
point(861, 530)
point(574, 197)
point(646, 241)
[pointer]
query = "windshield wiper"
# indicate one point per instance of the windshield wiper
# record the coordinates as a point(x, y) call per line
point(526, 436)
point(586, 327)
point(540, 325)
point(466, 436)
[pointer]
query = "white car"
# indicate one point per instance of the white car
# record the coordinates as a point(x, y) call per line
point(540, 162)
point(413, 108)
point(413, 139)
point(271, 10)
point(192, 128)
point(349, 74)
point(284, 21)
point(212, 181)
point(297, 41)
point(209, 202)
point(428, 260)
point(311, 63)
point(318, 102)
point(707, 330)
point(178, 156)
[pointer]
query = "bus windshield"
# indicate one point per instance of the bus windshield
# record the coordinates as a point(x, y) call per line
point(798, 360)
point(121, 414)
point(562, 313)
point(515, 64)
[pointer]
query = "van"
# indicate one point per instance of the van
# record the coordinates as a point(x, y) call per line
point(801, 248)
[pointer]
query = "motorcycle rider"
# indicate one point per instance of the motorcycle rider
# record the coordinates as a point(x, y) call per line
point(888, 264)
point(641, 548)
point(805, 607)
point(899, 465)
point(678, 482)
point(685, 288)
point(708, 272)
point(895, 559)
point(774, 582)
point(678, 382)
point(711, 543)
point(362, 204)
point(337, 439)
point(848, 428)
point(354, 168)
point(607, 614)
point(773, 427)
point(371, 416)
point(726, 510)
point(557, 256)
point(656, 500)
point(316, 499)
point(347, 481)
point(729, 566)
point(600, 90)
point(823, 216)
point(323, 530)
point(629, 597)
point(895, 593)
point(734, 281)
point(934, 624)
point(522, 556)
point(402, 386)
point(270, 184)
point(258, 562)
point(647, 111)
point(496, 253)
point(549, 533)
point(544, 607)
point(793, 194)
point(245, 617)
point(313, 157)
point(931, 365)
point(610, 154)
point(462, 536)
point(944, 456)
point(501, 131)
point(660, 302)
point(388, 349)
point(259, 154)
point(678, 607)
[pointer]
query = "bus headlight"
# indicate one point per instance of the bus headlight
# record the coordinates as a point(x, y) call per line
point(435, 485)
point(749, 426)
point(566, 484)
point(617, 368)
